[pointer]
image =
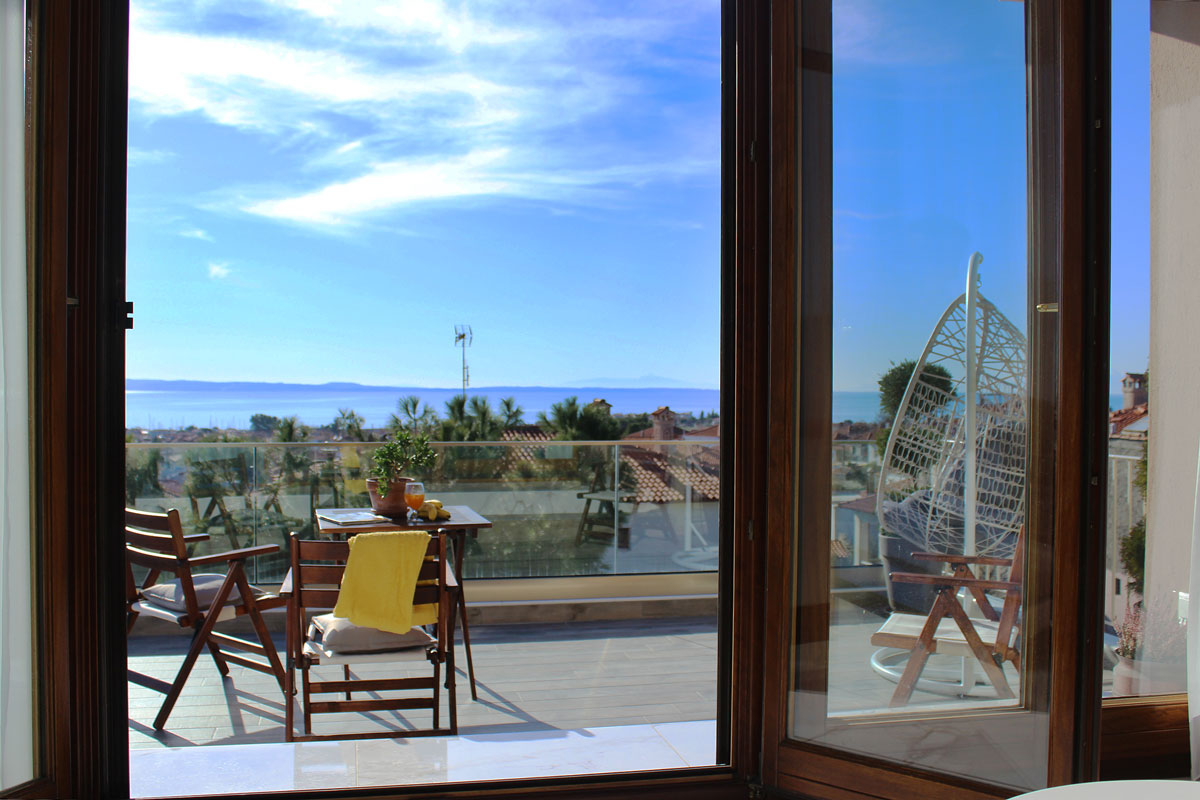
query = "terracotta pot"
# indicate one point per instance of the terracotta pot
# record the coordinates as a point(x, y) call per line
point(1124, 678)
point(393, 505)
point(1142, 678)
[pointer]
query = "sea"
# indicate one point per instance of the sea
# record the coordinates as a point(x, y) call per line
point(157, 405)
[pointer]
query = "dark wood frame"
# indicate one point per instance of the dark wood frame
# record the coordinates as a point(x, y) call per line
point(1068, 228)
point(770, 157)
point(76, 100)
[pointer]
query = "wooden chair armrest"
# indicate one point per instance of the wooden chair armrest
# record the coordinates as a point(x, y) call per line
point(234, 555)
point(987, 561)
point(951, 580)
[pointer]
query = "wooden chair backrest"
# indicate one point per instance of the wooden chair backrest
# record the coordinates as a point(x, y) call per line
point(318, 566)
point(1013, 598)
point(157, 541)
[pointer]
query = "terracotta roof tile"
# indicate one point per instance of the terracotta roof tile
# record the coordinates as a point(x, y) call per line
point(864, 503)
point(1122, 418)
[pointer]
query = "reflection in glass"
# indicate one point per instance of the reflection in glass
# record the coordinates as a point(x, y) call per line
point(927, 610)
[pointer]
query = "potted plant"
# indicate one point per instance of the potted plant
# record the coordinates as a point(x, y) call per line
point(389, 463)
point(1129, 634)
point(1151, 651)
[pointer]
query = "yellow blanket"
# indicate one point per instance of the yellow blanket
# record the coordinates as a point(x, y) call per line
point(381, 576)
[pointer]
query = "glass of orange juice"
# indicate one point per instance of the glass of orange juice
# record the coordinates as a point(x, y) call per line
point(414, 494)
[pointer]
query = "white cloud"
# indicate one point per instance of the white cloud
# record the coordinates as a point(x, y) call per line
point(388, 185)
point(136, 156)
point(455, 29)
point(387, 104)
point(197, 233)
point(882, 32)
point(219, 270)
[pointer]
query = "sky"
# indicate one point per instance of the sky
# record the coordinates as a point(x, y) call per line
point(320, 190)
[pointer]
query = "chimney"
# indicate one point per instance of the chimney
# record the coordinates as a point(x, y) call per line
point(664, 423)
point(1134, 389)
point(602, 404)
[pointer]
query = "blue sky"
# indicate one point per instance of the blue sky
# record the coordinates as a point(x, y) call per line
point(319, 190)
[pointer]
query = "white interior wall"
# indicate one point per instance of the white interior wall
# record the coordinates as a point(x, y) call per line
point(1174, 295)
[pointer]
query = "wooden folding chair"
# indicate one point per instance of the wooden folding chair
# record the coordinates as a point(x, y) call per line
point(314, 583)
point(196, 601)
point(947, 629)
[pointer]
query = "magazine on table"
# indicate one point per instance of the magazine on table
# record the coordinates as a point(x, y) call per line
point(351, 517)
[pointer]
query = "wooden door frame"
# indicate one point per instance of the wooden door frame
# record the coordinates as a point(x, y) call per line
point(1067, 59)
point(78, 147)
point(76, 101)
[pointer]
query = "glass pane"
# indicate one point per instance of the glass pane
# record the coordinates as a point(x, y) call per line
point(1152, 467)
point(924, 663)
point(16, 607)
point(494, 225)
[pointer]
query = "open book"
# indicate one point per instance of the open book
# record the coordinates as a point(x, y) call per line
point(364, 517)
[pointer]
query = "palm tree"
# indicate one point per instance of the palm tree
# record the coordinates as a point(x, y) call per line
point(412, 416)
point(563, 421)
point(568, 420)
point(483, 424)
point(349, 425)
point(456, 424)
point(512, 414)
point(290, 429)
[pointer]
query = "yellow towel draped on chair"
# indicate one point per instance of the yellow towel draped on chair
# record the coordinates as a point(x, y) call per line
point(381, 576)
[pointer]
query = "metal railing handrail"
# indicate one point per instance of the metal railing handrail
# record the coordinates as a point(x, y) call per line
point(508, 443)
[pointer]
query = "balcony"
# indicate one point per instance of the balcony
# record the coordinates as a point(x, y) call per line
point(592, 611)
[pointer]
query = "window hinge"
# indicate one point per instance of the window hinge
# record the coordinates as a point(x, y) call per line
point(1047, 308)
point(72, 303)
point(750, 529)
point(753, 151)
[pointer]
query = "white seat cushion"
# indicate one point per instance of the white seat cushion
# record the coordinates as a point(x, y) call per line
point(170, 594)
point(340, 635)
point(948, 640)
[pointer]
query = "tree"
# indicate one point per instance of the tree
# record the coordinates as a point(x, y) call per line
point(893, 383)
point(568, 420)
point(141, 474)
point(263, 423)
point(413, 417)
point(512, 414)
point(294, 461)
point(290, 429)
point(349, 425)
point(484, 425)
point(1132, 547)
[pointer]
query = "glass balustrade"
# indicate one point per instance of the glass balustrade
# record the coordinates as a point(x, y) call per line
point(559, 509)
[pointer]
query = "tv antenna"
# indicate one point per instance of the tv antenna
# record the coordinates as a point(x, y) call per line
point(462, 338)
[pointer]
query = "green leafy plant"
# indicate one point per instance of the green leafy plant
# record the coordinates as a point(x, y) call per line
point(403, 453)
point(893, 383)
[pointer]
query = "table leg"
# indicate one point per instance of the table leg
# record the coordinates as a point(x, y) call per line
point(459, 539)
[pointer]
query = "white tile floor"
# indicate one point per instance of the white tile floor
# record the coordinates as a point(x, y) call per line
point(278, 767)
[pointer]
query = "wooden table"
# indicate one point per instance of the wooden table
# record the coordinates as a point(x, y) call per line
point(463, 520)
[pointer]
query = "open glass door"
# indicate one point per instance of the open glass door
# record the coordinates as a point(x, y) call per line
point(921, 560)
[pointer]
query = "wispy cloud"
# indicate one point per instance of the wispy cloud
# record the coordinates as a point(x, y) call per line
point(137, 156)
point(219, 270)
point(388, 185)
point(881, 32)
point(197, 233)
point(387, 104)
